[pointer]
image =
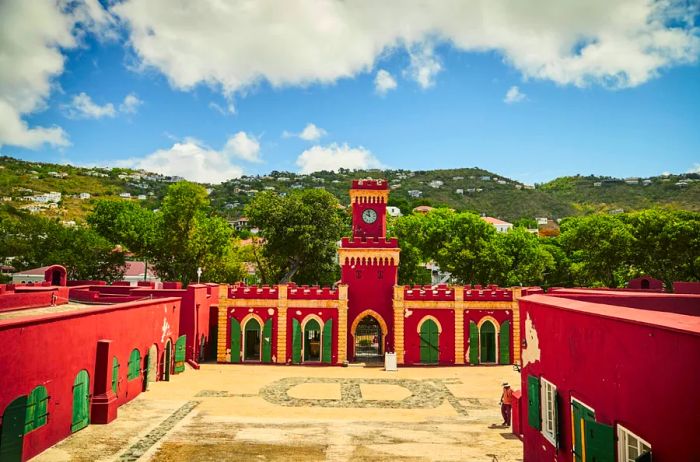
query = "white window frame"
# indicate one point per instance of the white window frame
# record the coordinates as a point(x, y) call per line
point(547, 406)
point(623, 437)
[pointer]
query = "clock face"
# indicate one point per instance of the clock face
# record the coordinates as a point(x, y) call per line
point(369, 216)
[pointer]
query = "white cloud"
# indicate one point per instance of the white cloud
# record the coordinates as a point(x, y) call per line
point(131, 104)
point(424, 66)
point(384, 82)
point(235, 45)
point(310, 133)
point(229, 109)
point(243, 146)
point(190, 159)
point(695, 169)
point(514, 95)
point(334, 157)
point(83, 107)
point(32, 38)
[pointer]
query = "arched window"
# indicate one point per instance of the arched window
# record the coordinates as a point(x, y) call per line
point(36, 413)
point(134, 364)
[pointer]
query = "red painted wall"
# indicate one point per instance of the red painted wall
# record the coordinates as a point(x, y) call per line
point(446, 339)
point(32, 297)
point(641, 376)
point(370, 292)
point(50, 351)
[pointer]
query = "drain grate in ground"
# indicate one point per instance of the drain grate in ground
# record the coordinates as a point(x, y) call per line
point(141, 446)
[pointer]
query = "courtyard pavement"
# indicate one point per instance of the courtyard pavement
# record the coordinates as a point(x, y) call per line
point(286, 413)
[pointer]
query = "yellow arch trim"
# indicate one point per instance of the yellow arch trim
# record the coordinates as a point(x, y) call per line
point(308, 318)
point(375, 315)
point(493, 321)
point(250, 316)
point(432, 318)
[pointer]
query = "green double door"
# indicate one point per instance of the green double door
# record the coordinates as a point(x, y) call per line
point(258, 343)
point(429, 342)
point(81, 401)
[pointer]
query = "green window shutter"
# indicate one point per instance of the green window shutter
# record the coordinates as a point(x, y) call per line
point(599, 442)
point(134, 364)
point(296, 341)
point(579, 412)
point(327, 341)
point(504, 343)
point(180, 345)
point(557, 425)
point(473, 343)
point(534, 416)
point(267, 342)
point(235, 341)
point(29, 412)
point(41, 410)
point(115, 374)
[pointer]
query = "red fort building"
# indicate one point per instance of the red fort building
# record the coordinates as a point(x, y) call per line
point(367, 314)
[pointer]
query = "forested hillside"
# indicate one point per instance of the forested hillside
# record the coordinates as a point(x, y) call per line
point(470, 189)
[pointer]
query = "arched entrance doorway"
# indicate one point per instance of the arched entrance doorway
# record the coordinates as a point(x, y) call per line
point(167, 361)
point(429, 342)
point(369, 339)
point(12, 430)
point(152, 365)
point(312, 341)
point(251, 340)
point(487, 342)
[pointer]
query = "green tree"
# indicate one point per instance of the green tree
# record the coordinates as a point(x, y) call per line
point(667, 244)
point(408, 229)
point(520, 259)
point(599, 247)
point(125, 223)
point(188, 236)
point(299, 234)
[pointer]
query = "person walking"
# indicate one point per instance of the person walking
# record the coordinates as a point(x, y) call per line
point(506, 404)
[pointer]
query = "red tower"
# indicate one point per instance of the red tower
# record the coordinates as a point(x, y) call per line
point(369, 263)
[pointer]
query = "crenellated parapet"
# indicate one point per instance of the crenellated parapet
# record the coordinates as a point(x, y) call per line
point(370, 184)
point(252, 291)
point(304, 292)
point(370, 242)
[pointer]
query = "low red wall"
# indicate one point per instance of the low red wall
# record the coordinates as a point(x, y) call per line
point(32, 297)
point(672, 303)
point(52, 349)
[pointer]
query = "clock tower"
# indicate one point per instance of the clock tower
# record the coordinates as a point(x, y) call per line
point(369, 265)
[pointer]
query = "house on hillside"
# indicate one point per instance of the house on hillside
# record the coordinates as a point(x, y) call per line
point(500, 225)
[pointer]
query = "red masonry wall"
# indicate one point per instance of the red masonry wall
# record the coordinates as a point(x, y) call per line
point(638, 375)
point(50, 351)
point(446, 339)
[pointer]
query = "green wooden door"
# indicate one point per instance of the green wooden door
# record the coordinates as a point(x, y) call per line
point(534, 416)
point(327, 341)
point(180, 354)
point(235, 341)
point(429, 338)
point(599, 442)
point(578, 413)
point(81, 401)
point(115, 374)
point(504, 343)
point(296, 341)
point(312, 341)
point(488, 342)
point(473, 343)
point(12, 436)
point(267, 342)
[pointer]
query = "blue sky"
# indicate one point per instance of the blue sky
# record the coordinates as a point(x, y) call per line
point(237, 104)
